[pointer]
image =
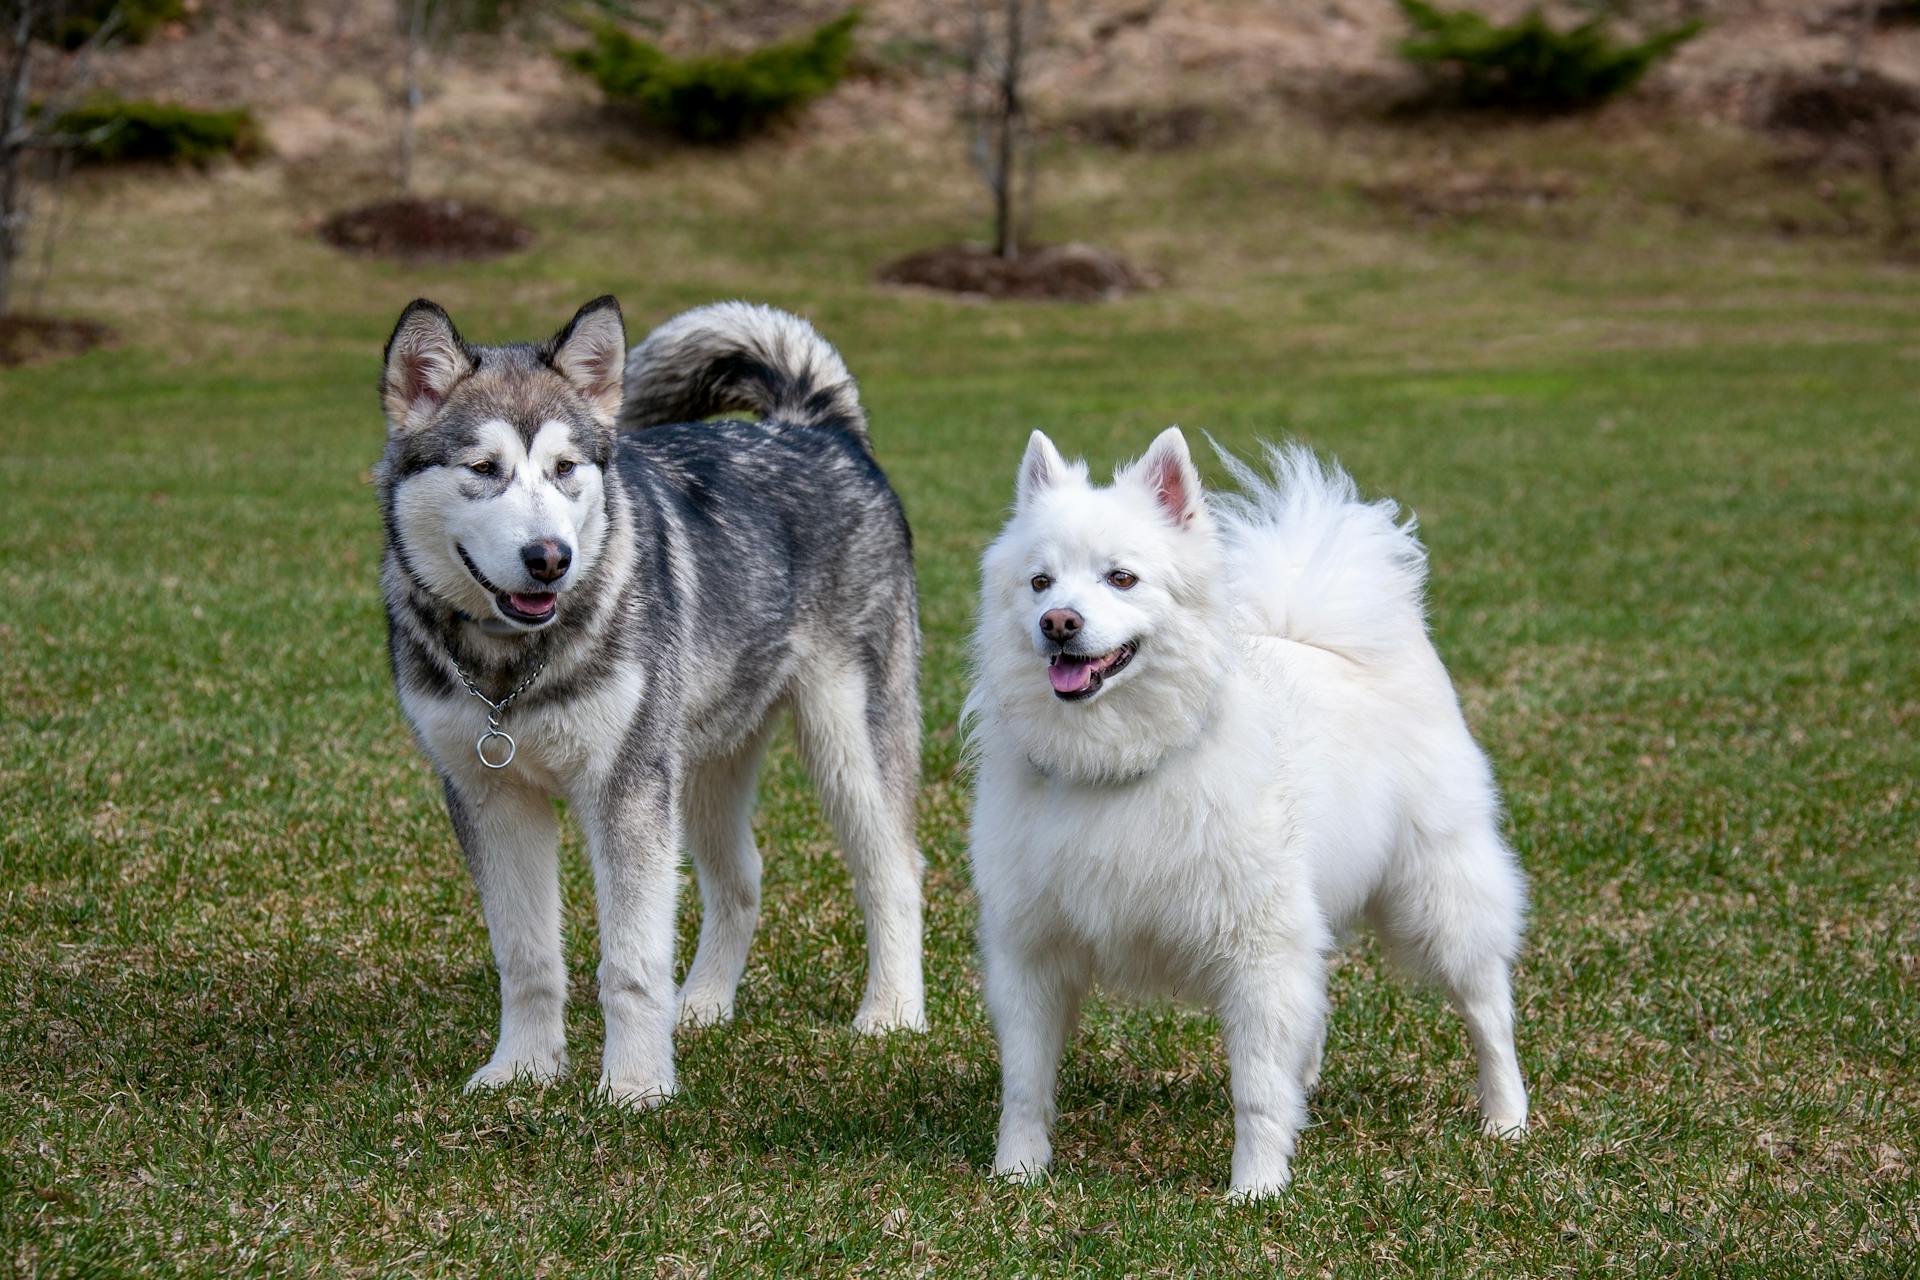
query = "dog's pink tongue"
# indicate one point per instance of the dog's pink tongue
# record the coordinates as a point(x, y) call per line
point(1070, 675)
point(532, 605)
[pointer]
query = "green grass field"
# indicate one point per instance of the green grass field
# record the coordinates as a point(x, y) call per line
point(1669, 471)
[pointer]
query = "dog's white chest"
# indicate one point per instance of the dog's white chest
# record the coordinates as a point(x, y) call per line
point(554, 745)
point(1153, 879)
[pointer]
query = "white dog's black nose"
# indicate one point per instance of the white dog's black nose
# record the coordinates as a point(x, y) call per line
point(1058, 625)
point(547, 561)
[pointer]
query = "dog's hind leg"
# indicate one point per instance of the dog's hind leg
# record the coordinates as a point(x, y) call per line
point(511, 841)
point(719, 823)
point(860, 735)
point(1453, 911)
point(1315, 1058)
point(1484, 997)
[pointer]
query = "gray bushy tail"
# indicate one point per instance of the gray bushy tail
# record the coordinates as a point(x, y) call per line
point(739, 356)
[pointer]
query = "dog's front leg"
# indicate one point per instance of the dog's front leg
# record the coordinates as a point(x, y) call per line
point(633, 834)
point(1272, 1014)
point(1034, 996)
point(511, 842)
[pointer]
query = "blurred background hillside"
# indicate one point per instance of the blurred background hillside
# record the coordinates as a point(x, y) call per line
point(1780, 119)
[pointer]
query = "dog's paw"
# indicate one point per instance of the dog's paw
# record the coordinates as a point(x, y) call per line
point(1022, 1157)
point(881, 1015)
point(700, 1010)
point(1505, 1128)
point(1254, 1192)
point(507, 1066)
point(1259, 1179)
point(1022, 1173)
point(634, 1094)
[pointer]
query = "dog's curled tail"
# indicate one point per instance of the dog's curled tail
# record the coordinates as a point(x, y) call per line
point(1311, 562)
point(733, 356)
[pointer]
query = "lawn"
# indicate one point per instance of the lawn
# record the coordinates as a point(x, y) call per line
point(1668, 467)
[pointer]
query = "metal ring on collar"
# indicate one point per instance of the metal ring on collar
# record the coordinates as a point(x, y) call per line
point(480, 748)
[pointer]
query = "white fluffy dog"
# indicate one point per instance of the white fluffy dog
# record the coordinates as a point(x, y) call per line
point(1211, 733)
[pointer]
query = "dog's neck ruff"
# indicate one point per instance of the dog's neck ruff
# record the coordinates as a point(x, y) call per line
point(497, 627)
point(1126, 778)
point(1105, 780)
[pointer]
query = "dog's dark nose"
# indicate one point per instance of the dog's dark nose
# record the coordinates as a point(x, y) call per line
point(547, 561)
point(1058, 625)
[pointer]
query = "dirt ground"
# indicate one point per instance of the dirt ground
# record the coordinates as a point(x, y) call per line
point(324, 82)
point(417, 227)
point(26, 338)
point(1074, 272)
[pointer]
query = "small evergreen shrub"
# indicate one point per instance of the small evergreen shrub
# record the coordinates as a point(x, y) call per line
point(1529, 64)
point(120, 131)
point(718, 97)
point(73, 24)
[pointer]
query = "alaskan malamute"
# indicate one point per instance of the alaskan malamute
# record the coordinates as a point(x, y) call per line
point(592, 594)
point(1211, 732)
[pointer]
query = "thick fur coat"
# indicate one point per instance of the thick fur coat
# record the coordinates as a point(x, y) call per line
point(641, 594)
point(1212, 733)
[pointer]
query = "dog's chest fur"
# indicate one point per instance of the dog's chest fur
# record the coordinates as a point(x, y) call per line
point(557, 744)
point(1156, 879)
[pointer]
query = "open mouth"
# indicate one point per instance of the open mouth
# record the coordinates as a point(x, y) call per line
point(1076, 676)
point(531, 607)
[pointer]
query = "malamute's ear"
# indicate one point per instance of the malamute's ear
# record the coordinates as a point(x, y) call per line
point(1041, 469)
point(591, 353)
point(1167, 470)
point(425, 358)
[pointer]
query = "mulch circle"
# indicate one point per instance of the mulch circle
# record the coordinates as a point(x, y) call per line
point(27, 339)
point(1143, 127)
point(1461, 193)
point(419, 227)
point(1063, 272)
point(1832, 104)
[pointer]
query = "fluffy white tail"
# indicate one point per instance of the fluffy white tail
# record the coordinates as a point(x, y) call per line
point(1310, 562)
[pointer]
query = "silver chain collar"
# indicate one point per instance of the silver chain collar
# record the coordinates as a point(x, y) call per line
point(498, 709)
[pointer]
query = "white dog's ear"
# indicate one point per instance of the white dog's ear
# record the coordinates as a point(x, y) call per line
point(425, 359)
point(1167, 471)
point(590, 353)
point(1041, 469)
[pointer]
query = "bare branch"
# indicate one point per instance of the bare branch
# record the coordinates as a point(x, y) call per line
point(26, 131)
point(80, 68)
point(49, 140)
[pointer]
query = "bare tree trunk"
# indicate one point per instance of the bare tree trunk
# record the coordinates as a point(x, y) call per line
point(342, 10)
point(1889, 143)
point(50, 226)
point(410, 104)
point(1857, 40)
point(1006, 242)
point(25, 131)
point(16, 139)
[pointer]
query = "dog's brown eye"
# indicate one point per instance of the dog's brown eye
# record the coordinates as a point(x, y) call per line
point(482, 468)
point(1121, 580)
point(1041, 582)
point(565, 468)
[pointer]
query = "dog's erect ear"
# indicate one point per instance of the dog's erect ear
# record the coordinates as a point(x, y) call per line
point(1040, 470)
point(425, 358)
point(1168, 472)
point(591, 353)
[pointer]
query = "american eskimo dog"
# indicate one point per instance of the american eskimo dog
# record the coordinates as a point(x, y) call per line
point(1211, 732)
point(591, 594)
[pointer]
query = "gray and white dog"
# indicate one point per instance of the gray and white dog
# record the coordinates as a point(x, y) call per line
point(584, 602)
